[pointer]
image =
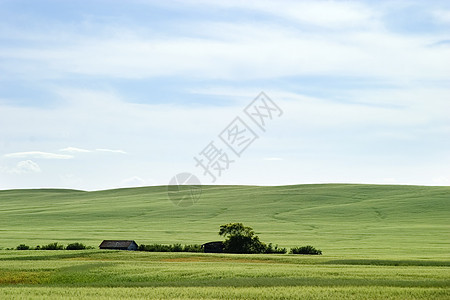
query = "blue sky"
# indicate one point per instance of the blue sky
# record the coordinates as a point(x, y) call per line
point(106, 94)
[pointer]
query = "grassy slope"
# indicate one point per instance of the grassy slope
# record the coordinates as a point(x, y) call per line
point(371, 220)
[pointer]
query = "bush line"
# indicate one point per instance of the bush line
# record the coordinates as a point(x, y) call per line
point(269, 249)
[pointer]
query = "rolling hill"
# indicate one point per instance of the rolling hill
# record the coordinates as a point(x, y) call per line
point(357, 219)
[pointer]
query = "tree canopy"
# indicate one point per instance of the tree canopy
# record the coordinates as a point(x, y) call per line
point(240, 239)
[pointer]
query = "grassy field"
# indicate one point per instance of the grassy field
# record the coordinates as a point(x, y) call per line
point(378, 242)
point(365, 220)
point(99, 274)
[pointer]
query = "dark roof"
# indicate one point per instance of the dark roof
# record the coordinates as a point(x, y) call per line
point(116, 243)
point(213, 247)
point(213, 243)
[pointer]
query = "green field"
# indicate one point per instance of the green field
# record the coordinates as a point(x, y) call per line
point(378, 242)
point(119, 274)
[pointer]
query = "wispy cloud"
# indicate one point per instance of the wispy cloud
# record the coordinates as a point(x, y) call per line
point(442, 16)
point(37, 154)
point(111, 151)
point(248, 49)
point(74, 150)
point(328, 14)
point(364, 97)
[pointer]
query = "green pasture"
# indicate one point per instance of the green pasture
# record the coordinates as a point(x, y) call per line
point(95, 274)
point(341, 219)
point(378, 242)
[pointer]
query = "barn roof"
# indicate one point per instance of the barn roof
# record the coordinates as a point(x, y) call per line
point(213, 243)
point(117, 243)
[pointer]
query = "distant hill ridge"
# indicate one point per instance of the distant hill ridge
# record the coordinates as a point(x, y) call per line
point(334, 217)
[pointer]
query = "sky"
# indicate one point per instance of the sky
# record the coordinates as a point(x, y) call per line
point(107, 94)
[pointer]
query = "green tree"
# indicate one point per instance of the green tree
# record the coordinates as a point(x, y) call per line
point(240, 239)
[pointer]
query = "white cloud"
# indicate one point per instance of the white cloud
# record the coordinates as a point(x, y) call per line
point(248, 49)
point(442, 16)
point(74, 150)
point(22, 167)
point(290, 43)
point(136, 181)
point(164, 138)
point(111, 151)
point(329, 14)
point(80, 150)
point(27, 166)
point(37, 154)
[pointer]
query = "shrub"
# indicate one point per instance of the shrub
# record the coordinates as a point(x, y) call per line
point(52, 246)
point(76, 246)
point(177, 248)
point(306, 250)
point(274, 250)
point(23, 247)
point(155, 248)
point(192, 248)
point(170, 248)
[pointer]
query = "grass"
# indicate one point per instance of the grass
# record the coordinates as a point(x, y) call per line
point(369, 220)
point(103, 274)
point(246, 293)
point(378, 242)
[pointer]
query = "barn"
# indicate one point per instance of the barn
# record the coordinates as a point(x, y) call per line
point(119, 245)
point(213, 247)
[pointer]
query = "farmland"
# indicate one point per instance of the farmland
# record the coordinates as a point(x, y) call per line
point(105, 274)
point(378, 242)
